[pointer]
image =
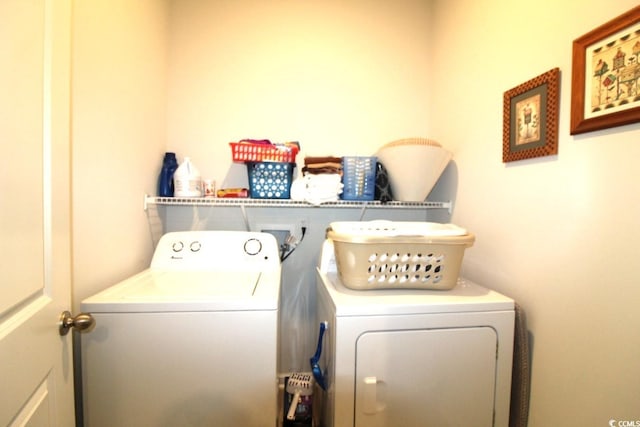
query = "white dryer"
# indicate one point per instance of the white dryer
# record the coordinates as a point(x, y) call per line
point(192, 340)
point(413, 358)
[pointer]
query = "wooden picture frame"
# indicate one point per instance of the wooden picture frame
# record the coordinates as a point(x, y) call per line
point(530, 118)
point(605, 82)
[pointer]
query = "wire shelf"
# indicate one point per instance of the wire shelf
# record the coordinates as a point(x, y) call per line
point(287, 203)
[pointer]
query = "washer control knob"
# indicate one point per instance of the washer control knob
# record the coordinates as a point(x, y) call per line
point(177, 246)
point(253, 246)
point(195, 246)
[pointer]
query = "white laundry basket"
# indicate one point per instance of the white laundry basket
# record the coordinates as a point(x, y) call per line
point(398, 255)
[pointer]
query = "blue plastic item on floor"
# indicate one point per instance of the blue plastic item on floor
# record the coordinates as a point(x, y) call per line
point(315, 367)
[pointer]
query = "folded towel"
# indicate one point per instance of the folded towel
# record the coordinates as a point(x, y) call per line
point(328, 159)
point(320, 165)
point(317, 189)
point(321, 170)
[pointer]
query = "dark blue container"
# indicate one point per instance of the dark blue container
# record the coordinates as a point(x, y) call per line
point(165, 181)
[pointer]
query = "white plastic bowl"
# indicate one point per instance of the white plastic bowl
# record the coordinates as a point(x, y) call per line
point(414, 166)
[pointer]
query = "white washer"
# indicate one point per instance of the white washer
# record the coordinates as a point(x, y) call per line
point(192, 340)
point(413, 357)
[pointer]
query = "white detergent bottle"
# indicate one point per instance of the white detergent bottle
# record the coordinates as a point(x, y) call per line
point(187, 181)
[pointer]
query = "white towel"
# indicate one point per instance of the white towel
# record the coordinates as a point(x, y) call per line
point(317, 189)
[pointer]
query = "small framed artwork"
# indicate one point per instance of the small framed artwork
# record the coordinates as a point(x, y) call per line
point(530, 118)
point(605, 80)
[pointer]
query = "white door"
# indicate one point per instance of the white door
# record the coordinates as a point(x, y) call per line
point(36, 368)
point(424, 378)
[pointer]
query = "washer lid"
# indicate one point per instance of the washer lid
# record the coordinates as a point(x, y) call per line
point(169, 291)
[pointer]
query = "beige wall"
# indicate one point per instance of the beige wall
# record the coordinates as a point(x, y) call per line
point(558, 233)
point(118, 125)
point(340, 77)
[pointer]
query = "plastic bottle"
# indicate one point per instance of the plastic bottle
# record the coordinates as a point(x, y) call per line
point(165, 181)
point(187, 180)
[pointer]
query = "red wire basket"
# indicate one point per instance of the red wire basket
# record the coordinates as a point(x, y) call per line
point(250, 152)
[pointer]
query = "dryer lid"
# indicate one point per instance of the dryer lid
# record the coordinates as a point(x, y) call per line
point(467, 296)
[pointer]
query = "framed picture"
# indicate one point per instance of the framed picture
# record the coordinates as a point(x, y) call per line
point(530, 118)
point(605, 78)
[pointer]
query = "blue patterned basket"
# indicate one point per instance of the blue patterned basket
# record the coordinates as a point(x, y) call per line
point(270, 180)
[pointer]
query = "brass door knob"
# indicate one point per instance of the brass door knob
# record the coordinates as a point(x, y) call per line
point(83, 322)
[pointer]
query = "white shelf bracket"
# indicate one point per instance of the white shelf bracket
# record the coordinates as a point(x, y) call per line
point(362, 211)
point(245, 218)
